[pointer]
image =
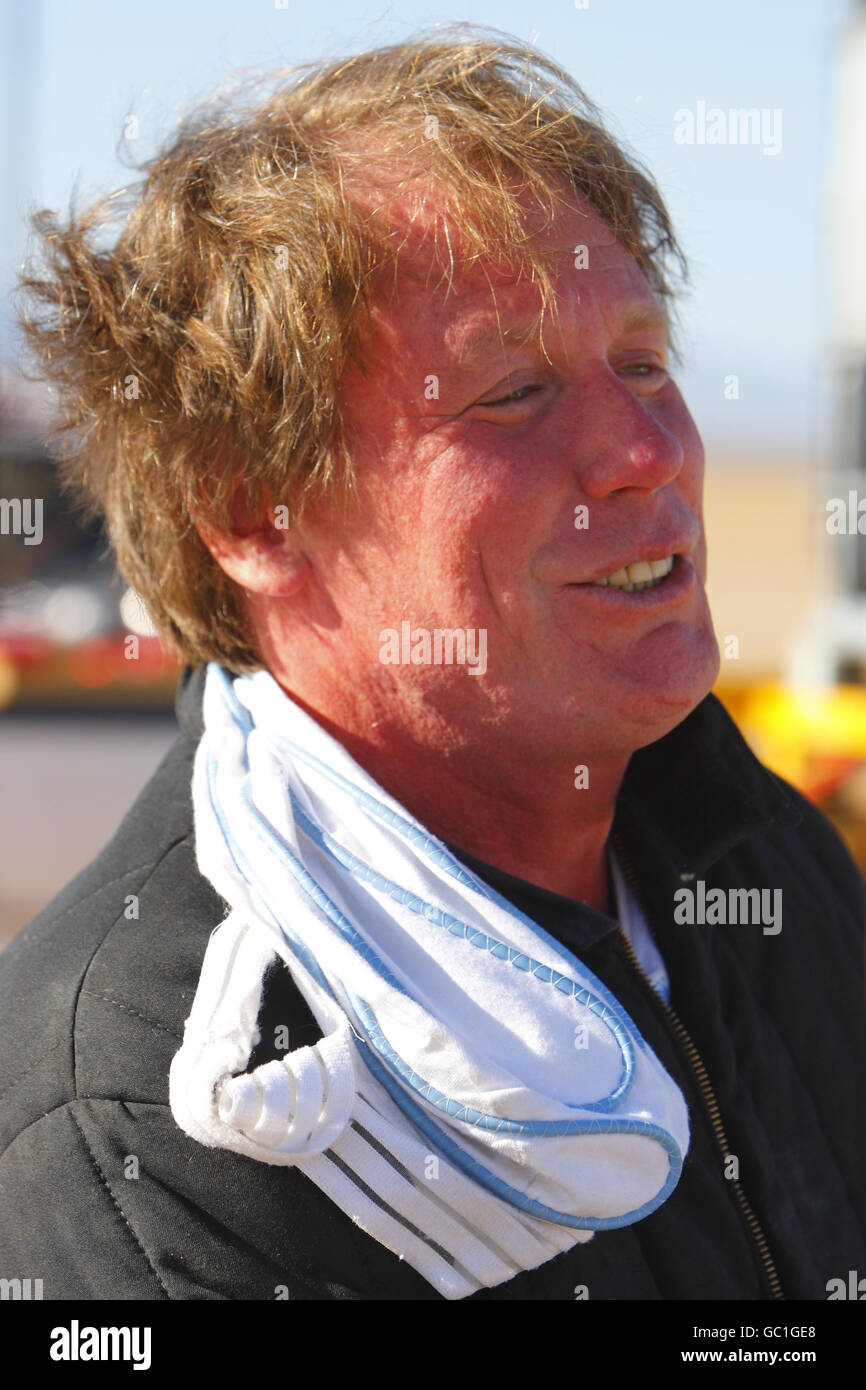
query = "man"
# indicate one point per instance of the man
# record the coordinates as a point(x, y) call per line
point(500, 966)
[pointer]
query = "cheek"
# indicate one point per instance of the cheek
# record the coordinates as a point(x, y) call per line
point(507, 484)
point(472, 499)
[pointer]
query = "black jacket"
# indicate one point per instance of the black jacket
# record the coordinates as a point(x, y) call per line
point(103, 1196)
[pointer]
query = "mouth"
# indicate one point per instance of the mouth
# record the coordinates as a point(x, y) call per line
point(648, 583)
point(637, 576)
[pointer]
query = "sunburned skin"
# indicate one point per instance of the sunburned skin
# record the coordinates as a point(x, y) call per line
point(467, 516)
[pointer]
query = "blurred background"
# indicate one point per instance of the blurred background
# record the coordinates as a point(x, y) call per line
point(752, 118)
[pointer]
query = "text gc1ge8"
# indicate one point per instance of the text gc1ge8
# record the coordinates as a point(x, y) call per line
point(723, 1333)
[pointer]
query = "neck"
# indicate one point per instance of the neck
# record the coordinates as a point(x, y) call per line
point(541, 827)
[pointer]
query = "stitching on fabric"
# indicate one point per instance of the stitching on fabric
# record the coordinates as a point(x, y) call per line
point(796, 869)
point(277, 1262)
point(109, 883)
point(32, 1067)
point(168, 850)
point(91, 994)
point(806, 880)
point(61, 1105)
point(598, 1005)
point(126, 1220)
point(802, 1211)
point(701, 1109)
point(729, 947)
point(272, 841)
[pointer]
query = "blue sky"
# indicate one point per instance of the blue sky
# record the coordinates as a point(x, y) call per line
point(749, 221)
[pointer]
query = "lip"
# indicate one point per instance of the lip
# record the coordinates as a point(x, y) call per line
point(681, 579)
point(660, 551)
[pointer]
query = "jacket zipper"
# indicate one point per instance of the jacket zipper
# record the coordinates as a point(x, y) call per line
point(699, 1071)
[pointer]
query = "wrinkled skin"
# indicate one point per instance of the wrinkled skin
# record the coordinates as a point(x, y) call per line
point(466, 519)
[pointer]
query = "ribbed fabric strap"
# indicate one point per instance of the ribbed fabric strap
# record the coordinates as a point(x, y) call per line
point(479, 1101)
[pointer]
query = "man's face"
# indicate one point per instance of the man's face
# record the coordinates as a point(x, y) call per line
point(474, 463)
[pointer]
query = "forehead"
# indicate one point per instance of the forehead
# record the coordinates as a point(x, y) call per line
point(491, 305)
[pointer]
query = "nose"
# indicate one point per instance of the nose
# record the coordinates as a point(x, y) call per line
point(620, 440)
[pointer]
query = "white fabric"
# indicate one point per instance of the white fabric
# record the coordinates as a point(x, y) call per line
point(637, 929)
point(491, 1096)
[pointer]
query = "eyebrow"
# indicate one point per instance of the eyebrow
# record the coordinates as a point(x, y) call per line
point(646, 317)
point(475, 346)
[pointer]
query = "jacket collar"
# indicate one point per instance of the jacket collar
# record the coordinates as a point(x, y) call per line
point(693, 795)
point(685, 801)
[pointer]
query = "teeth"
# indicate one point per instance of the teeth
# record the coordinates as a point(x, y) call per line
point(642, 574)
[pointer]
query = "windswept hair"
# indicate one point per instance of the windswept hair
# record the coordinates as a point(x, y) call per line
point(197, 326)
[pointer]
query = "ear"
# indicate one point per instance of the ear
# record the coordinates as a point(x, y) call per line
point(259, 555)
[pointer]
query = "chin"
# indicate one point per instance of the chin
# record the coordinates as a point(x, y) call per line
point(665, 689)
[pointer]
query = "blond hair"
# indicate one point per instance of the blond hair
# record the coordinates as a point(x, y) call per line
point(201, 350)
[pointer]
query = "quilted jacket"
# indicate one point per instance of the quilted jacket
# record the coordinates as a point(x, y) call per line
point(103, 1196)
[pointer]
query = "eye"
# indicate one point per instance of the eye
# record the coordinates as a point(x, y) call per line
point(647, 370)
point(513, 397)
